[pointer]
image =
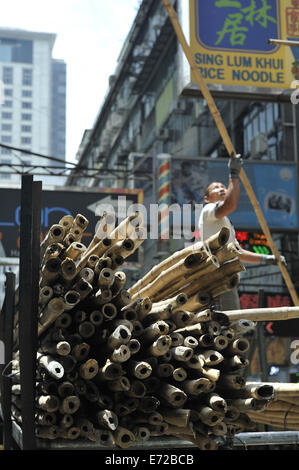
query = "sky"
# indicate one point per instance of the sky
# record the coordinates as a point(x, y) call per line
point(90, 35)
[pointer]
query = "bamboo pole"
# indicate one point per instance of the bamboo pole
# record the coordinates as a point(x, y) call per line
point(292, 400)
point(283, 42)
point(280, 389)
point(177, 417)
point(280, 405)
point(170, 275)
point(175, 362)
point(263, 314)
point(229, 146)
point(213, 243)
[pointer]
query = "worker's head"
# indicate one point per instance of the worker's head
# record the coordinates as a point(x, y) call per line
point(215, 192)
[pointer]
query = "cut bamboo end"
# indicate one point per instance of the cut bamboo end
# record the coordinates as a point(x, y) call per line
point(173, 395)
point(69, 405)
point(47, 432)
point(66, 222)
point(89, 369)
point(160, 346)
point(108, 419)
point(49, 403)
point(179, 374)
point(182, 353)
point(260, 391)
point(45, 295)
point(209, 416)
point(123, 437)
point(141, 433)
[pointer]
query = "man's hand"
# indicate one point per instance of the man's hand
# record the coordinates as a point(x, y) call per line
point(235, 165)
point(271, 259)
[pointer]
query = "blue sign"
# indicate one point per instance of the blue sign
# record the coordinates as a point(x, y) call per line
point(243, 25)
point(56, 204)
point(273, 184)
point(275, 189)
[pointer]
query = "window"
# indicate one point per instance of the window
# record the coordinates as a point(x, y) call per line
point(5, 151)
point(8, 92)
point(26, 105)
point(6, 115)
point(26, 93)
point(4, 174)
point(16, 50)
point(27, 77)
point(26, 128)
point(260, 124)
point(7, 75)
point(26, 117)
point(6, 127)
point(7, 103)
point(25, 140)
point(6, 139)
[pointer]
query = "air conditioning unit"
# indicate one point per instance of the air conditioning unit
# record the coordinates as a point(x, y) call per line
point(122, 105)
point(105, 135)
point(158, 22)
point(125, 146)
point(142, 51)
point(108, 126)
point(163, 134)
point(116, 121)
point(99, 150)
point(259, 146)
point(199, 108)
point(179, 107)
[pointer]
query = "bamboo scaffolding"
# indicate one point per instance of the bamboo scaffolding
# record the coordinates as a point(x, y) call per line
point(115, 369)
point(221, 238)
point(229, 145)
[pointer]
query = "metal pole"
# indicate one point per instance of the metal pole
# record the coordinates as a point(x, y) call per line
point(28, 311)
point(283, 42)
point(261, 341)
point(242, 439)
point(266, 438)
point(9, 306)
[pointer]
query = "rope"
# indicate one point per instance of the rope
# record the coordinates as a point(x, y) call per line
point(285, 417)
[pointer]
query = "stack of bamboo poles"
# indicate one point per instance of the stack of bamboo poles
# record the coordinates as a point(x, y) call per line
point(119, 366)
point(283, 411)
point(201, 271)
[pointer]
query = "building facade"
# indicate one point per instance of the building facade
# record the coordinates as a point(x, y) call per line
point(32, 112)
point(151, 108)
point(58, 114)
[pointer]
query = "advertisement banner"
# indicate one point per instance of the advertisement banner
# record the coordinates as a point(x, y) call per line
point(279, 328)
point(56, 204)
point(274, 186)
point(229, 41)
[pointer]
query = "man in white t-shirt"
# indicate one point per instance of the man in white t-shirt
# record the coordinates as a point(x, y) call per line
point(220, 202)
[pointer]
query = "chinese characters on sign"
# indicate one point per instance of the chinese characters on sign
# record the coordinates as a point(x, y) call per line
point(279, 328)
point(235, 50)
point(236, 25)
point(250, 300)
point(292, 19)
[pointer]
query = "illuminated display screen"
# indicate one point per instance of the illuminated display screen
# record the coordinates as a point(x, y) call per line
point(254, 241)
